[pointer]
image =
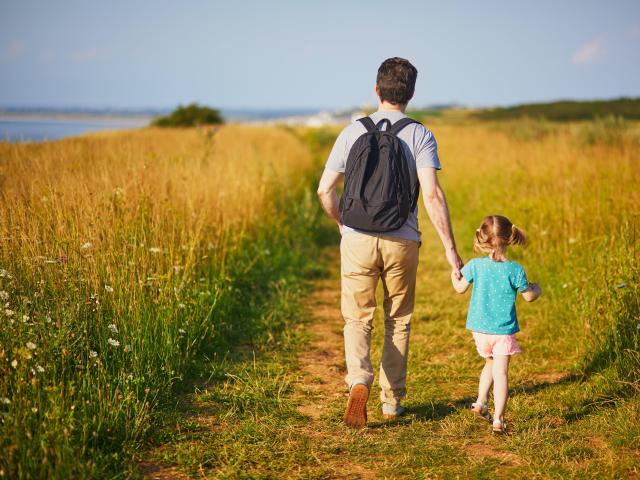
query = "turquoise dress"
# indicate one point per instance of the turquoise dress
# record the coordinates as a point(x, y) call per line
point(493, 299)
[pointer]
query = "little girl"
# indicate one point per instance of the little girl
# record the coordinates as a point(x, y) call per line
point(492, 312)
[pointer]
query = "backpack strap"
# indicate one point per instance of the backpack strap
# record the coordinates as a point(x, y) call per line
point(400, 124)
point(395, 129)
point(368, 124)
point(382, 122)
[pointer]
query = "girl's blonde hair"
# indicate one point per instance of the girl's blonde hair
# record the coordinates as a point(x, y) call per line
point(495, 234)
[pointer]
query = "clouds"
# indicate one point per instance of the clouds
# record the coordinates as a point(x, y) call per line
point(86, 55)
point(14, 49)
point(590, 52)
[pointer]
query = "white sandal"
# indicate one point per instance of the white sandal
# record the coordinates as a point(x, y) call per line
point(499, 426)
point(482, 411)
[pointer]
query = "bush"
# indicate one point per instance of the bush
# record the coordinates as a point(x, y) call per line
point(192, 115)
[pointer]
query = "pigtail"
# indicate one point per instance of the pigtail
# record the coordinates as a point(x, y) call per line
point(517, 236)
point(482, 241)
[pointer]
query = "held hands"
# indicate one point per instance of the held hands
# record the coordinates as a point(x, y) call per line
point(455, 261)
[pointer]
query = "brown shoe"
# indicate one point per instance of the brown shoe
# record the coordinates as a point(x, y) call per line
point(355, 416)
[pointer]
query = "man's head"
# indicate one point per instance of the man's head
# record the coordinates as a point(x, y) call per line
point(396, 81)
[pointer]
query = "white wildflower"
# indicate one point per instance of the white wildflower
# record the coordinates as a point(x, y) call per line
point(182, 305)
point(108, 288)
point(564, 285)
point(39, 369)
point(9, 313)
point(93, 354)
point(113, 342)
point(34, 410)
point(86, 246)
point(4, 295)
point(127, 348)
point(31, 345)
point(14, 363)
point(155, 250)
point(5, 401)
point(25, 318)
point(182, 330)
point(112, 327)
point(130, 377)
point(4, 274)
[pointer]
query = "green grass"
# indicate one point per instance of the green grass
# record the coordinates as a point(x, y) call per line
point(226, 407)
point(574, 406)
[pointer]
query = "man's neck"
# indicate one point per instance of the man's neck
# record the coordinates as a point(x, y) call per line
point(390, 107)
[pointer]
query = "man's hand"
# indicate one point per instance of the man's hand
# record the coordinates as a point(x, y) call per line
point(455, 261)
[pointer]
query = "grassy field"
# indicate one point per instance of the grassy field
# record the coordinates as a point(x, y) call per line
point(575, 409)
point(127, 262)
point(223, 370)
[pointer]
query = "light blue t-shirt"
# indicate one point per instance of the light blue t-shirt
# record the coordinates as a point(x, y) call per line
point(421, 150)
point(493, 299)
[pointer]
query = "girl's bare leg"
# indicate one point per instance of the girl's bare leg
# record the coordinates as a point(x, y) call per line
point(500, 385)
point(486, 379)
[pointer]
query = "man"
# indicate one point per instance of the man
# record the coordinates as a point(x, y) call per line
point(392, 256)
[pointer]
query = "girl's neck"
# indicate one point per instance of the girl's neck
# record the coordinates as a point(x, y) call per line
point(498, 256)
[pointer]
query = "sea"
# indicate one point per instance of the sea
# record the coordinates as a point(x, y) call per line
point(38, 130)
point(60, 124)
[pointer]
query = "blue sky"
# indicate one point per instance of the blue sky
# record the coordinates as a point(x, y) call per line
point(298, 54)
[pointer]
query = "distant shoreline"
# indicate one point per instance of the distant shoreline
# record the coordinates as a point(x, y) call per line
point(134, 121)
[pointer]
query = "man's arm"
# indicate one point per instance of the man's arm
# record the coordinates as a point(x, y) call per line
point(436, 204)
point(327, 194)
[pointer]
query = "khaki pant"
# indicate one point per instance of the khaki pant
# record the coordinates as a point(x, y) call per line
point(365, 259)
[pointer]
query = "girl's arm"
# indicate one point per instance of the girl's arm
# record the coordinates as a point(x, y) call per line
point(532, 293)
point(459, 285)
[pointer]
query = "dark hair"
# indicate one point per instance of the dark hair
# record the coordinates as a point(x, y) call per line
point(396, 80)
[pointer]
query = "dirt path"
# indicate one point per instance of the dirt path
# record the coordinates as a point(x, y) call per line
point(320, 392)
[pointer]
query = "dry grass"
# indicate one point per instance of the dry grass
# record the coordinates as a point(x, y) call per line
point(121, 254)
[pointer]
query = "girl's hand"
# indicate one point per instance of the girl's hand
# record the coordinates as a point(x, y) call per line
point(460, 285)
point(532, 293)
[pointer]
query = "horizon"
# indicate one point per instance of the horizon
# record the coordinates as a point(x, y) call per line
point(303, 109)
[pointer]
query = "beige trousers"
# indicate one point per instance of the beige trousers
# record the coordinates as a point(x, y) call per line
point(364, 260)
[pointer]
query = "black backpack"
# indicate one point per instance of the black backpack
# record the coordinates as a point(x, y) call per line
point(378, 194)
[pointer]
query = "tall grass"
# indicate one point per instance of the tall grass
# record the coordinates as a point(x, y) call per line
point(123, 258)
point(576, 190)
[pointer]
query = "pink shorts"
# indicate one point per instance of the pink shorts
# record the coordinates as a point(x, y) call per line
point(489, 345)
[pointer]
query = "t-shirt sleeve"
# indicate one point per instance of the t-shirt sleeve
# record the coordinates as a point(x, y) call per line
point(468, 271)
point(338, 157)
point(426, 149)
point(520, 281)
